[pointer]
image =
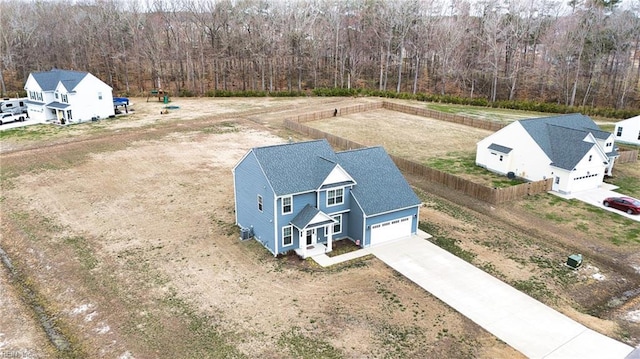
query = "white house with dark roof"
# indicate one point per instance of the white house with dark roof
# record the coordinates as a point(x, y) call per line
point(628, 131)
point(303, 196)
point(571, 149)
point(65, 96)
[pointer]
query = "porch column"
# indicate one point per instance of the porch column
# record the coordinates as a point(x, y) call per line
point(610, 166)
point(329, 237)
point(302, 244)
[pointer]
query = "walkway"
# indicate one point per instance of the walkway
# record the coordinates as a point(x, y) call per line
point(522, 322)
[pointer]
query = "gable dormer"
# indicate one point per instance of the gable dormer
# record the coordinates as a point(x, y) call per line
point(589, 138)
point(338, 177)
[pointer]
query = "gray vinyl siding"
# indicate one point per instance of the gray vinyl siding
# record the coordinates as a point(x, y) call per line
point(249, 183)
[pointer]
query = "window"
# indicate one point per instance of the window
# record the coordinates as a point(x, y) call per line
point(335, 196)
point(557, 180)
point(56, 95)
point(619, 133)
point(287, 236)
point(65, 99)
point(99, 95)
point(639, 135)
point(260, 203)
point(69, 117)
point(287, 206)
point(590, 157)
point(337, 227)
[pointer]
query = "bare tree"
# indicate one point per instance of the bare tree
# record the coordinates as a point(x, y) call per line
point(500, 50)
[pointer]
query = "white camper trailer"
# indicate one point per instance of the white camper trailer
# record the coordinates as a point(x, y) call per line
point(13, 105)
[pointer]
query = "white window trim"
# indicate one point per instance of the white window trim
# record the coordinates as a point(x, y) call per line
point(291, 235)
point(260, 203)
point(290, 205)
point(335, 203)
point(337, 217)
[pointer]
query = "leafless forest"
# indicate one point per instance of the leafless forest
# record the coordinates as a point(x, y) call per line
point(586, 52)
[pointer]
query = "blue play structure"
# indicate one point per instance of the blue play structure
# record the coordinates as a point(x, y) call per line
point(121, 101)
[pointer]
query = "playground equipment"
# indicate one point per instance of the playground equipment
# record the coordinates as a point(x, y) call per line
point(162, 95)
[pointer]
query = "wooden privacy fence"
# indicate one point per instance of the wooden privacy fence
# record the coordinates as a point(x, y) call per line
point(341, 111)
point(628, 156)
point(334, 140)
point(481, 192)
point(463, 120)
point(475, 190)
point(424, 112)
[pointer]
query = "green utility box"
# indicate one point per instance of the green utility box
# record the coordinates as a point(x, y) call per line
point(574, 261)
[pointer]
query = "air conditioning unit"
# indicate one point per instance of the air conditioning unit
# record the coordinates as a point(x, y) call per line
point(574, 261)
point(246, 234)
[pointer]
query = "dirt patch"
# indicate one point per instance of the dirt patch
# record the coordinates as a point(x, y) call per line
point(413, 137)
point(20, 333)
point(137, 251)
point(128, 230)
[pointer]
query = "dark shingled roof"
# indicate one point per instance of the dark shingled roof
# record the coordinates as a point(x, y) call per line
point(562, 137)
point(58, 105)
point(296, 167)
point(303, 166)
point(48, 80)
point(381, 186)
point(306, 215)
point(499, 148)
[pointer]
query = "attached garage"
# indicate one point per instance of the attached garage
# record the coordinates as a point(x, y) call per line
point(586, 182)
point(388, 231)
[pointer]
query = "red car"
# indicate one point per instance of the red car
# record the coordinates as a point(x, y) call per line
point(627, 204)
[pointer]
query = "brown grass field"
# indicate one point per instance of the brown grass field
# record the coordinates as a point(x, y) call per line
point(124, 230)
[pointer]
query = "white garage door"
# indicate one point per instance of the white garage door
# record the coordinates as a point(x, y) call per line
point(391, 230)
point(585, 182)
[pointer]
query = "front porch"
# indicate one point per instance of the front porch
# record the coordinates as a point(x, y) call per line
point(312, 250)
point(314, 229)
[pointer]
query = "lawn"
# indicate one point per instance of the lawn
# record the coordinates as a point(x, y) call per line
point(486, 113)
point(446, 146)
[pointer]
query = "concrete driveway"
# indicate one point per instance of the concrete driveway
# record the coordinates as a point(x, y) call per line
point(522, 322)
point(16, 124)
point(596, 196)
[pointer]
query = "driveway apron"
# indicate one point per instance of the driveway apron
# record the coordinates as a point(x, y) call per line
point(522, 322)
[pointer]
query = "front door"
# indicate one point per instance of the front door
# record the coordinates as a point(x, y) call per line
point(556, 184)
point(311, 236)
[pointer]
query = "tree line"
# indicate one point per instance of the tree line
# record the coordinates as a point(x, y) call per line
point(581, 53)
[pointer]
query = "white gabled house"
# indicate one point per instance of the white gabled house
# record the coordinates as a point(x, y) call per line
point(571, 149)
point(628, 131)
point(65, 96)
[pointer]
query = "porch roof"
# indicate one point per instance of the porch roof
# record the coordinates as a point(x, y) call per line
point(57, 105)
point(311, 217)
